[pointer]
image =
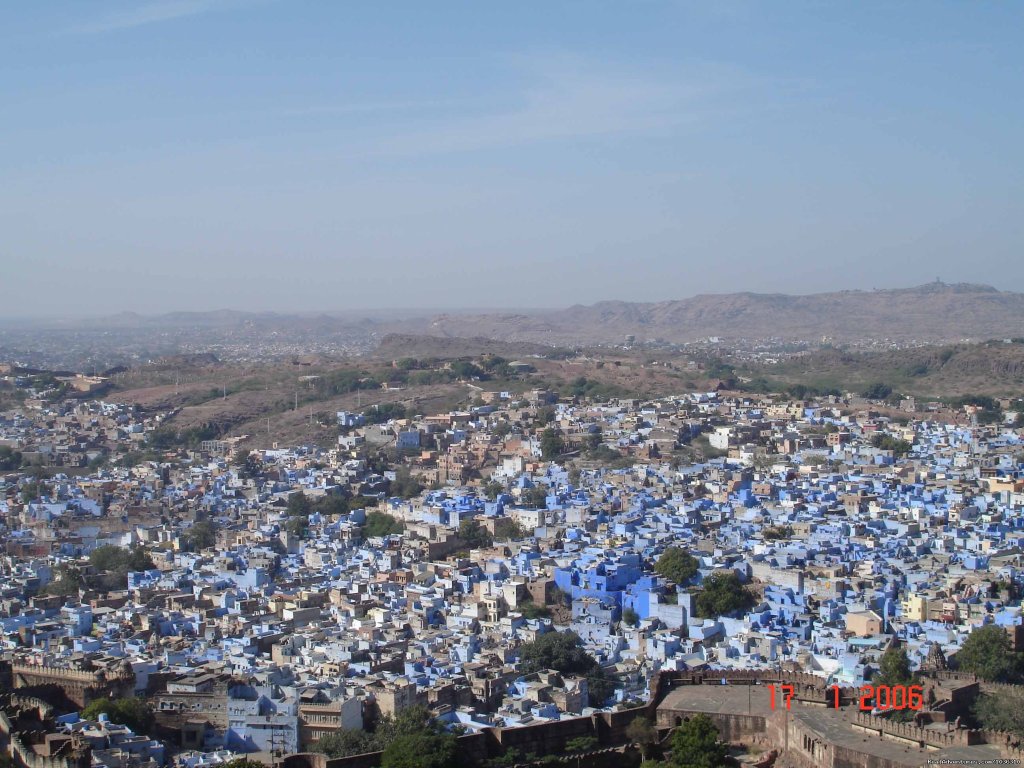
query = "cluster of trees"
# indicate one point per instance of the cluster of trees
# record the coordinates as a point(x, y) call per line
point(582, 387)
point(300, 507)
point(564, 652)
point(537, 496)
point(723, 594)
point(886, 442)
point(112, 565)
point(531, 610)
point(551, 443)
point(9, 458)
point(343, 381)
point(248, 464)
point(410, 739)
point(676, 565)
point(988, 653)
point(805, 391)
point(119, 560)
point(405, 485)
point(385, 412)
point(429, 370)
point(696, 744)
point(202, 534)
point(133, 712)
point(893, 668)
point(381, 524)
point(990, 412)
point(168, 438)
point(32, 490)
point(474, 535)
point(877, 391)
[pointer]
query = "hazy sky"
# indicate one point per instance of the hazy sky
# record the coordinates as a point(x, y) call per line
point(253, 154)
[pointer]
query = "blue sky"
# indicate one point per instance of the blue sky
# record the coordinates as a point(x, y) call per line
point(262, 154)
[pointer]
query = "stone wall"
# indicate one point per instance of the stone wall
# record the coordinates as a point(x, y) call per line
point(79, 686)
point(75, 754)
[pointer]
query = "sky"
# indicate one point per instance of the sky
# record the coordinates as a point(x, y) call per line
point(316, 156)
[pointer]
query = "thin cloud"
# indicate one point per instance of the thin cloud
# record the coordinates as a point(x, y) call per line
point(375, 107)
point(568, 98)
point(151, 13)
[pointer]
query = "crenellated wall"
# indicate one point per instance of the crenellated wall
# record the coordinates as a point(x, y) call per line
point(80, 686)
point(75, 754)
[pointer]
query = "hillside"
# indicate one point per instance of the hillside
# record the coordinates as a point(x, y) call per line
point(992, 368)
point(935, 313)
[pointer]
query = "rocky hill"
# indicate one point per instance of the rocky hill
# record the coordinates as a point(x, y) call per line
point(934, 312)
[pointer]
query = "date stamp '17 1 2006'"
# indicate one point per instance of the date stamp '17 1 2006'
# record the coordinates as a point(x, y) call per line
point(873, 698)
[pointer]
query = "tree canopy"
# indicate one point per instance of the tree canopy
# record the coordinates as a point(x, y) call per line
point(474, 534)
point(201, 535)
point(564, 652)
point(410, 739)
point(381, 524)
point(551, 443)
point(135, 713)
point(695, 744)
point(1001, 711)
point(894, 668)
point(676, 565)
point(405, 485)
point(722, 594)
point(987, 653)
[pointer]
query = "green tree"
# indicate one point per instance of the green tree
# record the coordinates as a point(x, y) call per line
point(574, 476)
point(120, 560)
point(405, 485)
point(9, 458)
point(533, 611)
point(201, 535)
point(545, 415)
point(581, 744)
point(894, 668)
point(877, 391)
point(420, 750)
point(493, 489)
point(31, 491)
point(551, 443)
point(381, 524)
point(474, 535)
point(1001, 711)
point(695, 744)
point(296, 525)
point(889, 443)
point(67, 583)
point(987, 653)
point(345, 742)
point(722, 594)
point(299, 504)
point(133, 712)
point(248, 464)
point(564, 652)
point(643, 734)
point(537, 496)
point(630, 617)
point(243, 762)
point(676, 565)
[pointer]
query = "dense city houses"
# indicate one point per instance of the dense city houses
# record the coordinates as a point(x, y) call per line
point(193, 604)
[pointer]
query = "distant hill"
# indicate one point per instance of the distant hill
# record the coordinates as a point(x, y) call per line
point(397, 345)
point(991, 368)
point(934, 312)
